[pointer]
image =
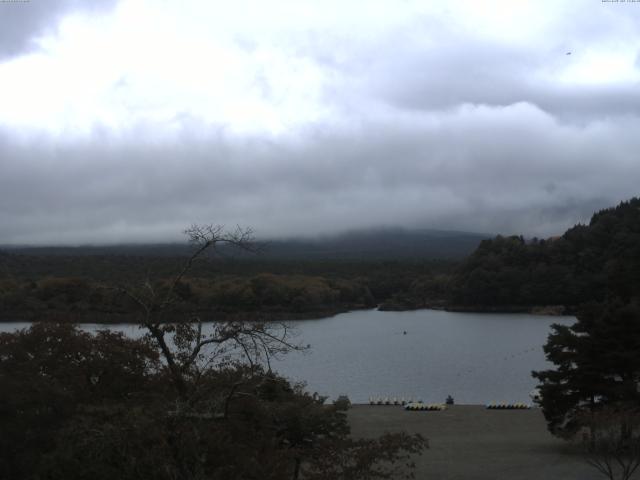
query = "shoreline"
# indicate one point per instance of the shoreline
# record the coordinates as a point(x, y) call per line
point(115, 318)
point(111, 318)
point(547, 310)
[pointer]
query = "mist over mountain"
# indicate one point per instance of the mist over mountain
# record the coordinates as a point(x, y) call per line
point(370, 244)
point(379, 244)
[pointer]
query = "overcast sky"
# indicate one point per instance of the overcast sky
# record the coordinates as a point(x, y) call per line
point(131, 121)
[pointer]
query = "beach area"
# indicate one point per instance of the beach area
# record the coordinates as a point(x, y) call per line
point(472, 442)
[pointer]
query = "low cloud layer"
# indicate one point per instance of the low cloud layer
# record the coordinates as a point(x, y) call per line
point(327, 124)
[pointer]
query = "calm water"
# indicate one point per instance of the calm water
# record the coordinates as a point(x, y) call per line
point(476, 358)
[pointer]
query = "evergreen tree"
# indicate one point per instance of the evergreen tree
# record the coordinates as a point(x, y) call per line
point(597, 364)
point(587, 263)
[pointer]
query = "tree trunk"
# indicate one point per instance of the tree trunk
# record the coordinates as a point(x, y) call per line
point(296, 469)
point(176, 374)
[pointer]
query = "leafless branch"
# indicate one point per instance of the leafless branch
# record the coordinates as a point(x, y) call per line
point(184, 344)
point(613, 445)
point(207, 237)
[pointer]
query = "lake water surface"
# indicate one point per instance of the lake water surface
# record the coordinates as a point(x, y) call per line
point(476, 358)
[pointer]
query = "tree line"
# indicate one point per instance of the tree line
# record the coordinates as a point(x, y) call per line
point(587, 263)
point(79, 288)
point(594, 388)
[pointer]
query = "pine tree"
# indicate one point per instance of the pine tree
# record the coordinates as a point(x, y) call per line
point(597, 364)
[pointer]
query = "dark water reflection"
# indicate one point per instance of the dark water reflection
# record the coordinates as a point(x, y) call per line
point(476, 358)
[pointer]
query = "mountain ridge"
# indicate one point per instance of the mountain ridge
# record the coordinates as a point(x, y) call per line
point(379, 243)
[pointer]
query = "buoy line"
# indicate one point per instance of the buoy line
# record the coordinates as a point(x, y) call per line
point(508, 406)
point(425, 407)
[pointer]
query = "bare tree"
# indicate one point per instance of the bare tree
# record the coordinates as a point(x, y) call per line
point(612, 443)
point(185, 345)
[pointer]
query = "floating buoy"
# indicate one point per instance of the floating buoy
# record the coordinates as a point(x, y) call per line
point(399, 401)
point(508, 406)
point(419, 406)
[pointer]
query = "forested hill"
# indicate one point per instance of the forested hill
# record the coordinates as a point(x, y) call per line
point(588, 262)
point(290, 279)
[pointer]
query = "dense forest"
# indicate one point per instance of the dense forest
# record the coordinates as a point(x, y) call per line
point(86, 287)
point(282, 279)
point(589, 262)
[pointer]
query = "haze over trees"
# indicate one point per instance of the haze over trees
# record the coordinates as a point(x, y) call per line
point(358, 245)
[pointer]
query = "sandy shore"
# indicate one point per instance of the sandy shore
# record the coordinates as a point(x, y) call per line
point(470, 442)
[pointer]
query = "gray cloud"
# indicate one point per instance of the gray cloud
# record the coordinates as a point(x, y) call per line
point(431, 64)
point(22, 22)
point(457, 70)
point(475, 168)
point(428, 127)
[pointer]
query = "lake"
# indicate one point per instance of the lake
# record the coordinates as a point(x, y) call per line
point(474, 357)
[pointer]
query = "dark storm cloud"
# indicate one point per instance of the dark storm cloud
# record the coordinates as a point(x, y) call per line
point(22, 22)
